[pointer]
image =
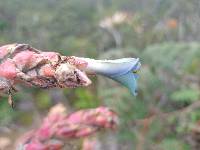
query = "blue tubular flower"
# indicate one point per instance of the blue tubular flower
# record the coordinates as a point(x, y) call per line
point(122, 70)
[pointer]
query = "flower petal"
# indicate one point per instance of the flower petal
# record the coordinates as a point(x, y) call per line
point(128, 80)
point(112, 67)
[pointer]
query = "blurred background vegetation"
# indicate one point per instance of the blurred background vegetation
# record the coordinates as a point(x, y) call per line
point(165, 34)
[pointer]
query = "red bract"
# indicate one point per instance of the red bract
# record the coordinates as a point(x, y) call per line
point(74, 130)
point(45, 132)
point(8, 70)
point(35, 145)
point(101, 116)
point(58, 127)
point(54, 144)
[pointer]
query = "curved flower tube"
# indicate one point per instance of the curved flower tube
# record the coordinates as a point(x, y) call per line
point(122, 70)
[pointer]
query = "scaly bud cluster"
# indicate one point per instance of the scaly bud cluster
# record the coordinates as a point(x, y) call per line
point(23, 63)
point(57, 127)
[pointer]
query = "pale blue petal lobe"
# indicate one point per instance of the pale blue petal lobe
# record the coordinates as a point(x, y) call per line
point(128, 80)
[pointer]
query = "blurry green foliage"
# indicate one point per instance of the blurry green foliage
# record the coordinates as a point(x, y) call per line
point(171, 143)
point(3, 25)
point(7, 114)
point(42, 100)
point(186, 95)
point(25, 118)
point(85, 99)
